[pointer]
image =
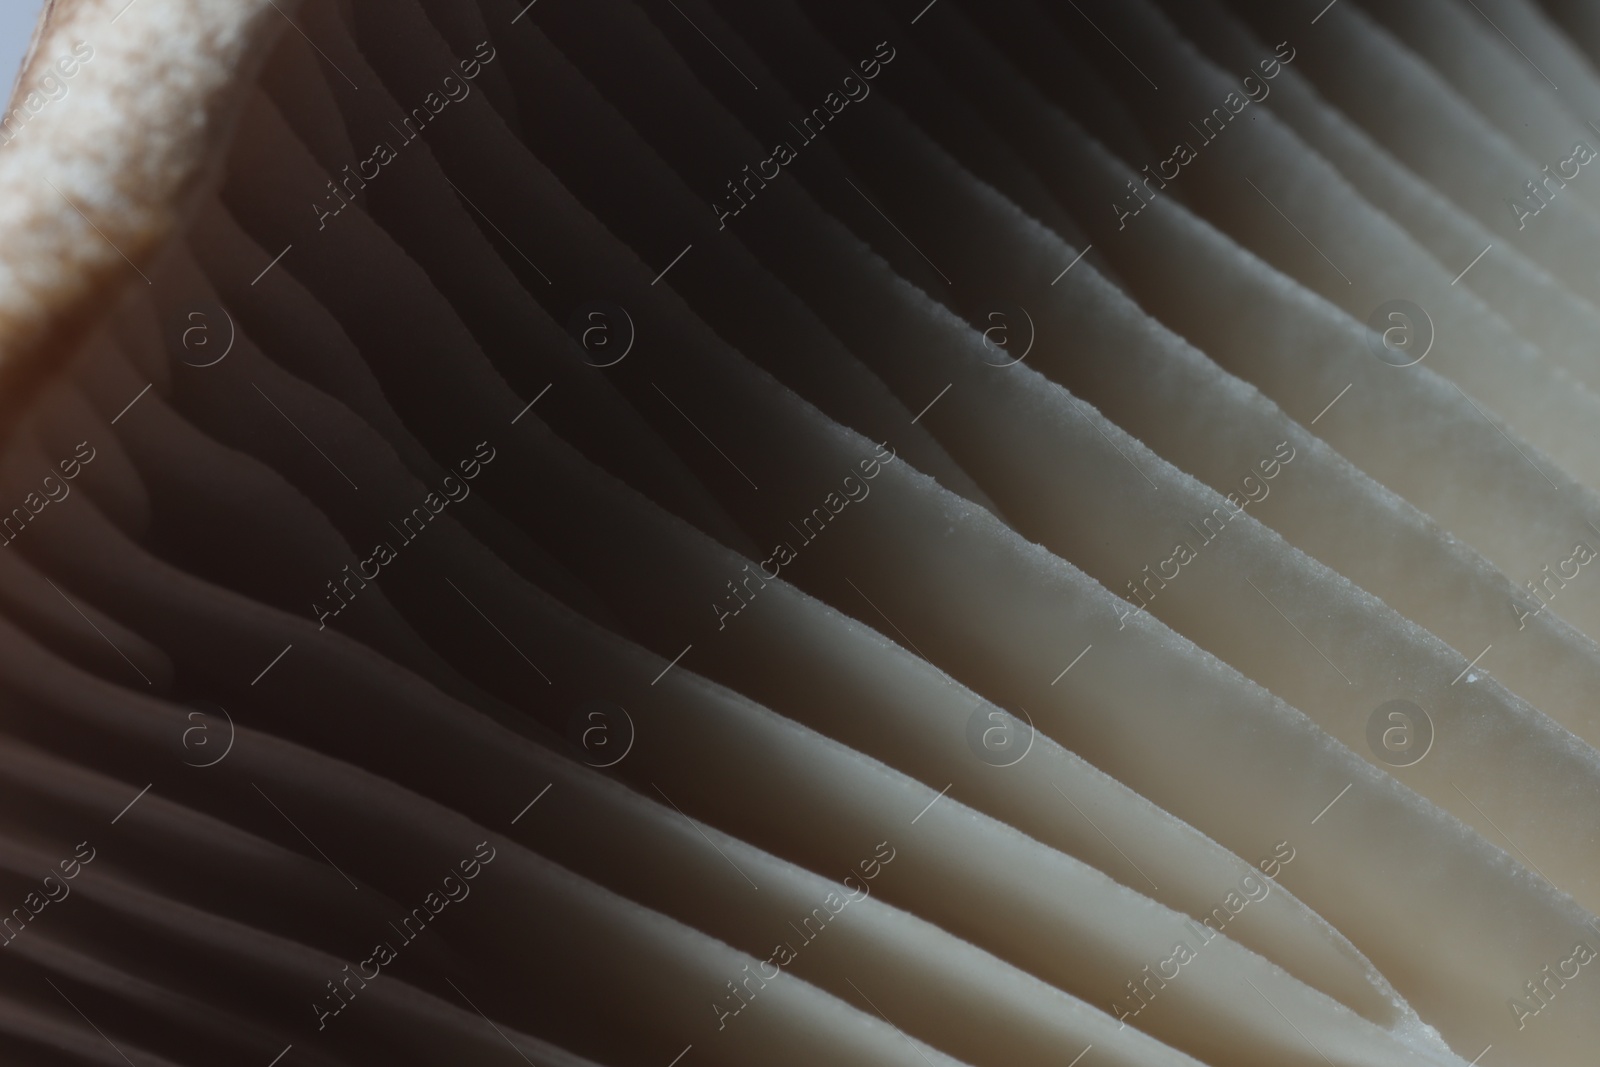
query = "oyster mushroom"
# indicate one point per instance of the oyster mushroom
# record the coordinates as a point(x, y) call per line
point(793, 533)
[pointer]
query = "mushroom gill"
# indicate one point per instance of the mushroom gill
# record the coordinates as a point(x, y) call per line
point(817, 531)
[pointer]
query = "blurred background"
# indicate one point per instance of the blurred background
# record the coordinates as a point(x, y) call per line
point(16, 27)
